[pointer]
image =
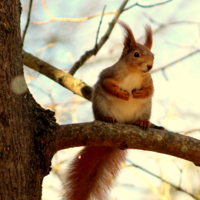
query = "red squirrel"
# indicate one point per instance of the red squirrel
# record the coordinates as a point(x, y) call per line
point(123, 94)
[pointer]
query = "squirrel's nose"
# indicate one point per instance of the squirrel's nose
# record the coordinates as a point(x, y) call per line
point(149, 67)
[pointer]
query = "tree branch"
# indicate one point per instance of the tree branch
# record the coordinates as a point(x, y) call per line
point(162, 26)
point(66, 80)
point(176, 61)
point(60, 19)
point(125, 136)
point(147, 6)
point(82, 19)
point(185, 132)
point(27, 22)
point(97, 35)
point(163, 180)
point(97, 47)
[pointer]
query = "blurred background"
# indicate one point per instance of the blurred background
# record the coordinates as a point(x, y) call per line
point(54, 37)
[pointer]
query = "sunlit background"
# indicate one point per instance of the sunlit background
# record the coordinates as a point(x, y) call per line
point(176, 47)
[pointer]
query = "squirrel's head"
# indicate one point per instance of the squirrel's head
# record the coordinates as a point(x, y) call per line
point(138, 56)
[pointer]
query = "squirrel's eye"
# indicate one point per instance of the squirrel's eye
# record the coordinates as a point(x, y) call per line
point(136, 54)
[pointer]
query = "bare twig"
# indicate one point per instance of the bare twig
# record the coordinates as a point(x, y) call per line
point(92, 16)
point(60, 19)
point(176, 61)
point(46, 9)
point(147, 6)
point(91, 52)
point(66, 80)
point(161, 26)
point(27, 22)
point(96, 46)
point(171, 184)
point(190, 131)
point(68, 19)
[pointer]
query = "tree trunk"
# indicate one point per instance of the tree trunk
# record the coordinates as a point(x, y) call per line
point(23, 123)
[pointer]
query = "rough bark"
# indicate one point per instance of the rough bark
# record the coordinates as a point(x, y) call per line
point(125, 136)
point(22, 121)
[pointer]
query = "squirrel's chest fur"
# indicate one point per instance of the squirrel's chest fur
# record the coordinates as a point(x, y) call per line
point(130, 82)
point(133, 109)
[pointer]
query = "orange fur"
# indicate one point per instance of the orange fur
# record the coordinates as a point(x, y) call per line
point(143, 92)
point(91, 173)
point(148, 41)
point(112, 88)
point(122, 94)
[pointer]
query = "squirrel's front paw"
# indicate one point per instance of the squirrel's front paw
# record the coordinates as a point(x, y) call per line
point(137, 93)
point(123, 94)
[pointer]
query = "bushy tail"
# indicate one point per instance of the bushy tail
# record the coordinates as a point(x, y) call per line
point(92, 172)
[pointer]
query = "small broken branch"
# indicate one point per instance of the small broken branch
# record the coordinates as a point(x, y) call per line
point(66, 80)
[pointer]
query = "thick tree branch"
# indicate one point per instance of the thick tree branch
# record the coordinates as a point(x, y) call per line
point(127, 137)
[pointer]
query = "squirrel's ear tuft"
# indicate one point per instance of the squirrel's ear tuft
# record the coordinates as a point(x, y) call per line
point(129, 39)
point(148, 37)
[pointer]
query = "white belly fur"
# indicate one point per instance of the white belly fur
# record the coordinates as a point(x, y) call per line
point(131, 110)
point(127, 111)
